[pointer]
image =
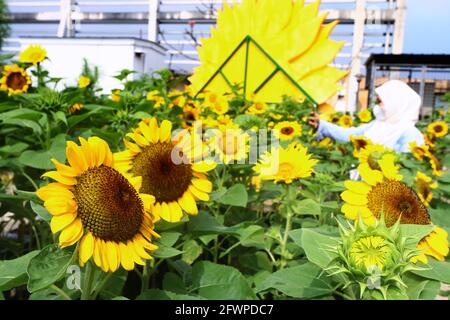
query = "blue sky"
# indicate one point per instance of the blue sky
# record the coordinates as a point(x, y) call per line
point(427, 26)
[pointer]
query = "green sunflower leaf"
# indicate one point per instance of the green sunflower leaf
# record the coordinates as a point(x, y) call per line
point(304, 281)
point(49, 266)
point(13, 273)
point(215, 281)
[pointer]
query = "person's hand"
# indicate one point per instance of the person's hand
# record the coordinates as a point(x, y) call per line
point(314, 120)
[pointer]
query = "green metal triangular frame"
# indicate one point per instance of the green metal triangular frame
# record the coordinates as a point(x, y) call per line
point(246, 41)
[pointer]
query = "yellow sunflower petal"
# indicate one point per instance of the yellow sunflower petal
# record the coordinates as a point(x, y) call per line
point(198, 194)
point(202, 185)
point(75, 157)
point(61, 221)
point(154, 130)
point(372, 177)
point(112, 253)
point(187, 202)
point(54, 189)
point(438, 245)
point(126, 259)
point(388, 167)
point(58, 206)
point(357, 187)
point(203, 166)
point(354, 198)
point(55, 175)
point(63, 169)
point(71, 233)
point(96, 253)
point(86, 247)
point(165, 131)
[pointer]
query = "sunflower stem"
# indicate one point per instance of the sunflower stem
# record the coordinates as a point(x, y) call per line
point(145, 276)
point(88, 280)
point(61, 292)
point(98, 288)
point(284, 241)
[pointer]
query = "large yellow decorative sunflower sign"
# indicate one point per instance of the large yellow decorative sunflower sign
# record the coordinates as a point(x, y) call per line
point(268, 49)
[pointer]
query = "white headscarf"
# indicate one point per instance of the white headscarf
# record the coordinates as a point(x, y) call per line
point(400, 113)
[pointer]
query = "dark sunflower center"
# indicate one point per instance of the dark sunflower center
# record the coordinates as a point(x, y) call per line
point(361, 144)
point(372, 160)
point(397, 200)
point(423, 189)
point(189, 116)
point(287, 130)
point(438, 129)
point(108, 204)
point(16, 81)
point(162, 177)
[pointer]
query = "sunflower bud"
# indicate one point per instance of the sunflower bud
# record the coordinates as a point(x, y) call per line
point(373, 257)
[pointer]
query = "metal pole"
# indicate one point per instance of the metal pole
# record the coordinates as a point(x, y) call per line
point(399, 27)
point(358, 41)
point(153, 8)
point(422, 88)
point(66, 27)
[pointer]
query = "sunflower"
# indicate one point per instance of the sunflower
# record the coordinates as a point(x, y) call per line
point(370, 251)
point(359, 143)
point(84, 82)
point(429, 141)
point(382, 191)
point(275, 116)
point(76, 107)
point(275, 26)
point(418, 151)
point(115, 95)
point(435, 164)
point(287, 130)
point(371, 153)
point(326, 109)
point(438, 129)
point(346, 121)
point(435, 244)
point(33, 54)
point(93, 204)
point(177, 97)
point(230, 143)
point(15, 80)
point(285, 164)
point(334, 118)
point(156, 98)
point(365, 115)
point(424, 187)
point(168, 167)
point(190, 114)
point(257, 108)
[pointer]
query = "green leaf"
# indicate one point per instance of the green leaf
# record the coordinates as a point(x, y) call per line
point(420, 288)
point(41, 211)
point(191, 251)
point(415, 231)
point(14, 149)
point(173, 282)
point(48, 266)
point(156, 294)
point(215, 281)
point(25, 124)
point(13, 273)
point(247, 121)
point(304, 281)
point(235, 196)
point(306, 207)
point(60, 116)
point(438, 270)
point(317, 247)
point(115, 284)
point(204, 223)
point(41, 159)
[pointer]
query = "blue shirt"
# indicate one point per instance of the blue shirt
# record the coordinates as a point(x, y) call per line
point(327, 129)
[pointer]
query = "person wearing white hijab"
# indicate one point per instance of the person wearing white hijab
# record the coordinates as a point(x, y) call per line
point(396, 114)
